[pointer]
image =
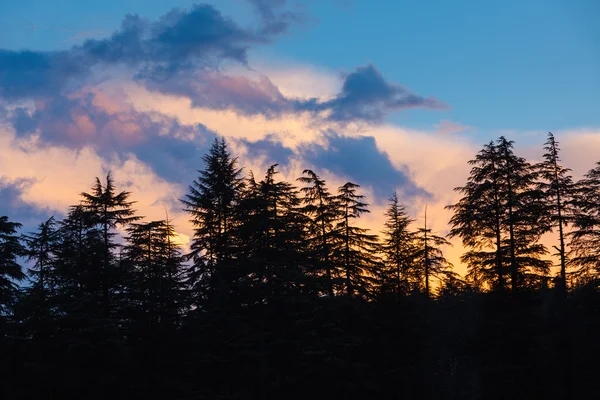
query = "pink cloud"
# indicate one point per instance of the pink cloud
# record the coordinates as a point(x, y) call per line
point(447, 127)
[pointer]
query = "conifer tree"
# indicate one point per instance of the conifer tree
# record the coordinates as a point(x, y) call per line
point(211, 203)
point(398, 248)
point(585, 237)
point(38, 304)
point(272, 233)
point(108, 210)
point(320, 207)
point(501, 209)
point(40, 248)
point(10, 270)
point(155, 264)
point(557, 187)
point(525, 219)
point(78, 256)
point(356, 250)
point(478, 220)
point(429, 260)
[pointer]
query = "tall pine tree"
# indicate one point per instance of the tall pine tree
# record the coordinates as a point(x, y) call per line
point(211, 203)
point(557, 187)
point(398, 248)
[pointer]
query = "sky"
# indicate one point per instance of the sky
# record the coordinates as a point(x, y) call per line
point(392, 95)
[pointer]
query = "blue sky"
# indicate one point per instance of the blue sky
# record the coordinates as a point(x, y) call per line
point(393, 95)
point(530, 65)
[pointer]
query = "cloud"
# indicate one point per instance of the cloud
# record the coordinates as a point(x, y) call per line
point(86, 34)
point(11, 203)
point(270, 148)
point(210, 89)
point(47, 179)
point(275, 22)
point(367, 96)
point(180, 39)
point(358, 159)
point(99, 117)
point(446, 127)
point(186, 53)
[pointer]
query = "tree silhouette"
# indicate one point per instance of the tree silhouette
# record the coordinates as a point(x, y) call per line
point(10, 270)
point(558, 188)
point(107, 210)
point(501, 209)
point(272, 234)
point(585, 237)
point(284, 288)
point(211, 203)
point(398, 248)
point(479, 218)
point(40, 248)
point(357, 250)
point(156, 268)
point(428, 257)
point(320, 206)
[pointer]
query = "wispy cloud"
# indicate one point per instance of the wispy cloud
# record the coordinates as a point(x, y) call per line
point(447, 127)
point(86, 35)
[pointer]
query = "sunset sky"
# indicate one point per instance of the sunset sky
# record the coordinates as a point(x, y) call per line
point(392, 95)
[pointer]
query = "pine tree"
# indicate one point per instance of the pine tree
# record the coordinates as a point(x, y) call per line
point(478, 220)
point(40, 248)
point(356, 250)
point(500, 219)
point(38, 304)
point(428, 257)
point(108, 210)
point(272, 233)
point(211, 203)
point(525, 218)
point(585, 237)
point(557, 187)
point(10, 270)
point(155, 264)
point(320, 207)
point(398, 248)
point(78, 256)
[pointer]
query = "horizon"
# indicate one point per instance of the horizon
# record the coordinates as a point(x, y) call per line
point(85, 89)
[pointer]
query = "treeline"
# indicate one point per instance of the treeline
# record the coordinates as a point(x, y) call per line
point(285, 295)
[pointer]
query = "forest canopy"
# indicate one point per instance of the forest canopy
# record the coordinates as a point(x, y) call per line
point(283, 286)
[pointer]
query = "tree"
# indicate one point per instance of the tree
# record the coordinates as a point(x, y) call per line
point(155, 264)
point(585, 237)
point(320, 207)
point(272, 234)
point(108, 210)
point(398, 248)
point(428, 257)
point(500, 219)
point(10, 270)
point(356, 250)
point(557, 187)
point(40, 248)
point(525, 219)
point(38, 304)
point(211, 203)
point(479, 217)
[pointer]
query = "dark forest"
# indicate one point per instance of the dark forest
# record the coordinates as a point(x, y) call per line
point(283, 295)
